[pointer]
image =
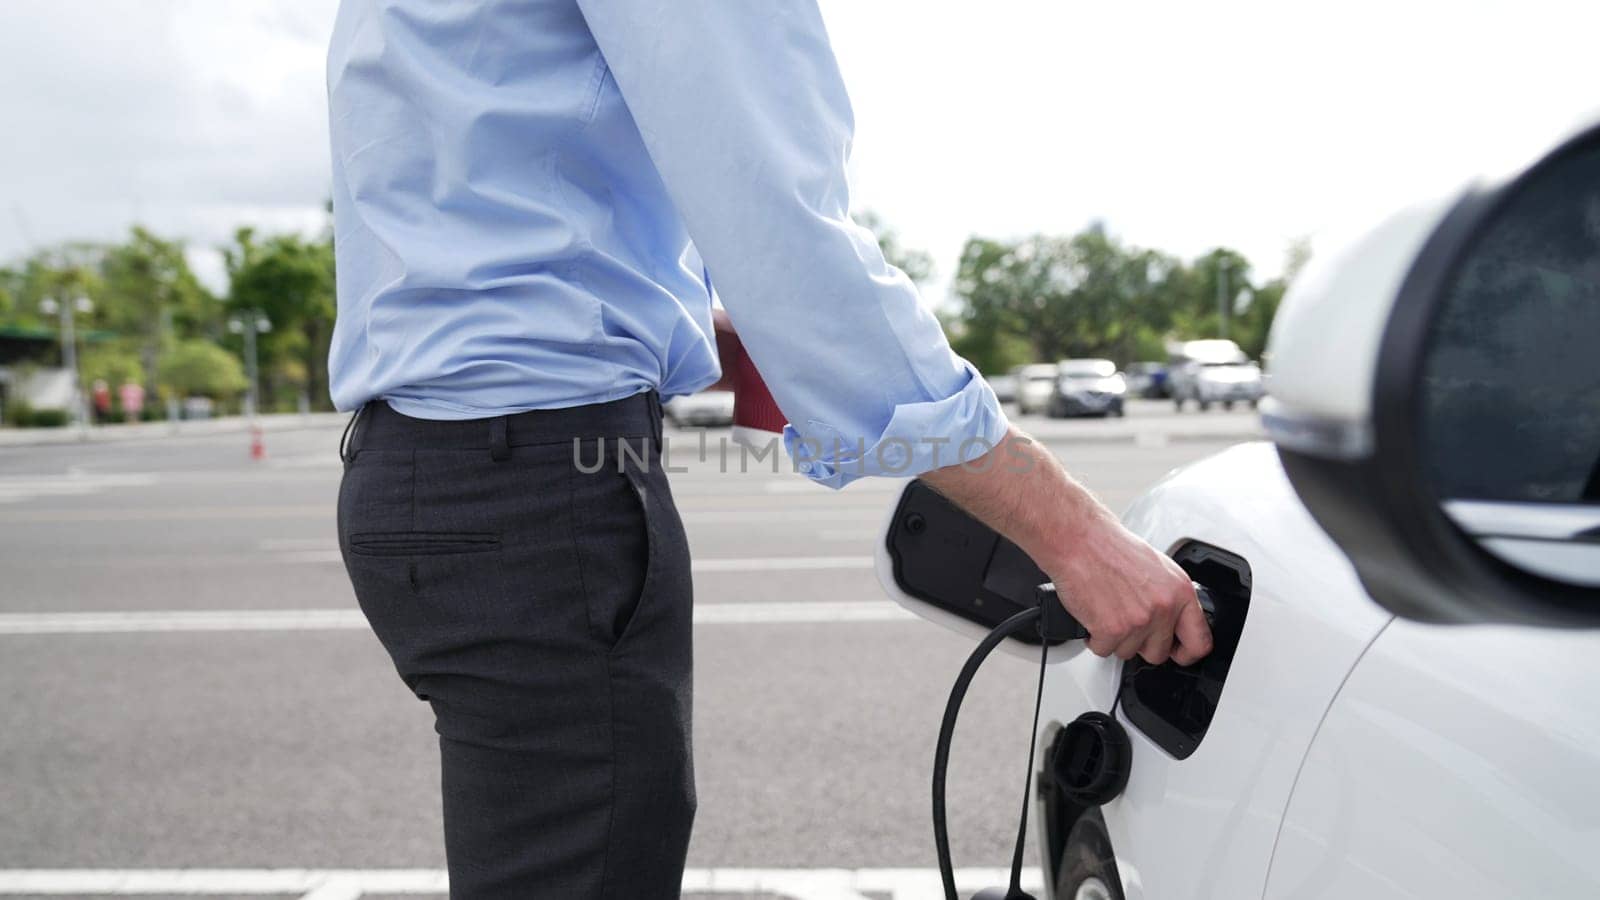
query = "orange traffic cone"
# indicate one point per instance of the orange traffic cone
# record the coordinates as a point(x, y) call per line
point(258, 448)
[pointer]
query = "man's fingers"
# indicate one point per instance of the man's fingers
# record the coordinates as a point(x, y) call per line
point(1101, 645)
point(1157, 647)
point(1194, 636)
point(1129, 646)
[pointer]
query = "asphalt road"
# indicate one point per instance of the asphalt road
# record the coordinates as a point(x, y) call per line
point(239, 732)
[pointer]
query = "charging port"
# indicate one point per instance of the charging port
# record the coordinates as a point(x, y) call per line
point(1173, 705)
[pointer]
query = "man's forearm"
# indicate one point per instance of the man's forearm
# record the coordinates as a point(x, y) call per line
point(1024, 493)
point(1131, 598)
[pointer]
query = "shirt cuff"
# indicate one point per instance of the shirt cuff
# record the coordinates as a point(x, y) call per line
point(920, 437)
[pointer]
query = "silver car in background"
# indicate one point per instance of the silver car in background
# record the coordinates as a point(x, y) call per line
point(707, 408)
point(1087, 387)
point(1036, 384)
point(1004, 387)
point(1213, 371)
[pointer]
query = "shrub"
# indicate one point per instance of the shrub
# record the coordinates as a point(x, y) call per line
point(198, 368)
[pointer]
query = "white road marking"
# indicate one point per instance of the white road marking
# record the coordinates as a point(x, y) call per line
point(336, 889)
point(181, 620)
point(16, 488)
point(327, 553)
point(112, 622)
point(352, 884)
point(321, 512)
point(322, 551)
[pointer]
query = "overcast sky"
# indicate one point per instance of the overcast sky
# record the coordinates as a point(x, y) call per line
point(1182, 125)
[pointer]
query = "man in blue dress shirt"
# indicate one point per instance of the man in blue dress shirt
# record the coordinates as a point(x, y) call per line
point(531, 199)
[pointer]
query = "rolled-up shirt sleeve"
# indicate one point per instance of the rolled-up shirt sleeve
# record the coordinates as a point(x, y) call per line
point(742, 108)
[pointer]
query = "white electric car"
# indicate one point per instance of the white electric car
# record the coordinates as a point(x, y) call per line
point(1404, 698)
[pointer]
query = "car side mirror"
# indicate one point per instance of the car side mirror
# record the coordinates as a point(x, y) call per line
point(1436, 399)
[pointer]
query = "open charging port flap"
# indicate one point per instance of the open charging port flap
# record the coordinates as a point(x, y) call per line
point(949, 568)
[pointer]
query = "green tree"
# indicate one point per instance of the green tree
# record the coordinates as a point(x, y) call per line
point(65, 272)
point(151, 298)
point(199, 367)
point(112, 363)
point(1214, 280)
point(1086, 295)
point(10, 281)
point(984, 332)
point(289, 279)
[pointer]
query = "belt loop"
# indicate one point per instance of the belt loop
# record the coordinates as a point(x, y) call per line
point(499, 446)
point(655, 417)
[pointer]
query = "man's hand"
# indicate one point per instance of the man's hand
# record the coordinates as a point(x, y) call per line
point(1132, 599)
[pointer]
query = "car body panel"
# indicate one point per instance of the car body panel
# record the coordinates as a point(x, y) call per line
point(1458, 762)
point(1205, 826)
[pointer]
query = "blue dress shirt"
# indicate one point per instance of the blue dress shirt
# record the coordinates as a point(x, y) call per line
point(529, 197)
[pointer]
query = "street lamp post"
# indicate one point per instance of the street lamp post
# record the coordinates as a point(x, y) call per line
point(1222, 296)
point(250, 323)
point(68, 310)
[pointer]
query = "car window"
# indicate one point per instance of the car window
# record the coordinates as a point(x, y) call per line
point(1511, 407)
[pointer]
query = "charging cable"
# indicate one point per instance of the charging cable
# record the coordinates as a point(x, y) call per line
point(1051, 621)
point(1102, 779)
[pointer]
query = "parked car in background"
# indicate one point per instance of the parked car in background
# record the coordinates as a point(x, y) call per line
point(707, 408)
point(1036, 385)
point(1147, 380)
point(1004, 387)
point(1213, 371)
point(1087, 387)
